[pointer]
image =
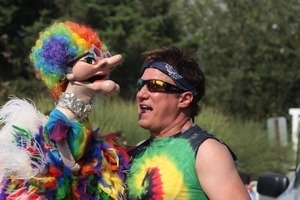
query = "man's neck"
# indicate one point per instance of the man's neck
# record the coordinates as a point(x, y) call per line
point(172, 129)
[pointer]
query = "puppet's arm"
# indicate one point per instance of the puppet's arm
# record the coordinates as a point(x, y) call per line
point(58, 133)
point(66, 155)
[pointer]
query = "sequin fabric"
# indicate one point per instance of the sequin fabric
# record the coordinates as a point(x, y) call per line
point(79, 107)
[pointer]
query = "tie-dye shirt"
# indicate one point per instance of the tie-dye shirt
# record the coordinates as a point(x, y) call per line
point(165, 168)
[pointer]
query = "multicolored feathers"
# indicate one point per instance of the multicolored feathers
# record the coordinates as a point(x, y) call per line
point(31, 167)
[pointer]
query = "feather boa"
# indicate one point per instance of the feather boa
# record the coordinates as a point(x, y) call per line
point(20, 153)
point(31, 169)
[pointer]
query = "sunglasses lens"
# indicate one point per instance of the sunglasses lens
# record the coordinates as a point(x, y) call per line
point(156, 86)
point(140, 84)
point(152, 85)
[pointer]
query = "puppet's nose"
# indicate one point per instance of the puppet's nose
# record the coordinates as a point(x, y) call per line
point(110, 63)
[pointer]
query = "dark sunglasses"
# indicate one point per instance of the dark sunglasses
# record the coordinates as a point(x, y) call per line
point(154, 85)
point(94, 52)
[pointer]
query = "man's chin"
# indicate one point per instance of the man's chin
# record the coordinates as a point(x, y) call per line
point(143, 125)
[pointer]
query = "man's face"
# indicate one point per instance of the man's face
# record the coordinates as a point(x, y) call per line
point(157, 110)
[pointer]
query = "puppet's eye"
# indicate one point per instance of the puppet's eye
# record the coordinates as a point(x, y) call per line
point(89, 59)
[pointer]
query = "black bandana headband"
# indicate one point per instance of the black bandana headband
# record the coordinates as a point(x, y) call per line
point(172, 73)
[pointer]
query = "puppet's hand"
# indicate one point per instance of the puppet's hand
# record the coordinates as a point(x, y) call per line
point(86, 91)
point(75, 168)
point(108, 87)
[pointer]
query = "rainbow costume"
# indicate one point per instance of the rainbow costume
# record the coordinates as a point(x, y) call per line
point(32, 165)
point(164, 168)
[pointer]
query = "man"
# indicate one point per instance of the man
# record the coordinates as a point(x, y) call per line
point(180, 160)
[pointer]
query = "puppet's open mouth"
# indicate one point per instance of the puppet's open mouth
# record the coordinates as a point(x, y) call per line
point(96, 78)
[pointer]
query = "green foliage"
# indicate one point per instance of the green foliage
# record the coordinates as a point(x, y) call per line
point(250, 53)
point(136, 27)
point(114, 114)
point(22, 88)
point(16, 38)
point(249, 140)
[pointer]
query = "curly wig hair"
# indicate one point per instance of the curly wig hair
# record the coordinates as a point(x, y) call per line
point(58, 44)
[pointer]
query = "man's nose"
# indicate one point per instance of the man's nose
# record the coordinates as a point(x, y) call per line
point(142, 93)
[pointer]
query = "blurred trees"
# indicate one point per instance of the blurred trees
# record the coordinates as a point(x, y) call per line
point(249, 49)
point(250, 52)
point(20, 23)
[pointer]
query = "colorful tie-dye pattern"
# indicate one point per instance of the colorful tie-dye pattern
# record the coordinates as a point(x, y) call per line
point(165, 168)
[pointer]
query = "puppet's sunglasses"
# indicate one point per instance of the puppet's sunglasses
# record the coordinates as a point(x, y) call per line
point(93, 52)
point(155, 85)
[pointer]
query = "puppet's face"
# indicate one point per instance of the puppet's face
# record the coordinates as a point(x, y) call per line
point(92, 69)
point(86, 67)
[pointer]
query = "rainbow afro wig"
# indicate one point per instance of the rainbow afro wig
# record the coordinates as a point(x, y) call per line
point(57, 45)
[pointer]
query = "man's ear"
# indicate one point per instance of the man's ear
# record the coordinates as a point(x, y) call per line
point(185, 99)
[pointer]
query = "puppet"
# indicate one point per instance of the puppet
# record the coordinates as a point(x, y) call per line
point(60, 156)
